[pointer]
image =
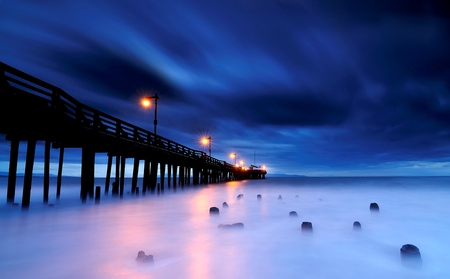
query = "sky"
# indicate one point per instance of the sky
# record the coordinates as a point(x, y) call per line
point(316, 88)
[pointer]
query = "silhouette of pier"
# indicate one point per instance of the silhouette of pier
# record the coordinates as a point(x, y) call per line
point(32, 110)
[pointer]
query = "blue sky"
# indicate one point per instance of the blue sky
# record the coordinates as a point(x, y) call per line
point(319, 88)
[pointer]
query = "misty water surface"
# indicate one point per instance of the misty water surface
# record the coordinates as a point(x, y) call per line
point(75, 240)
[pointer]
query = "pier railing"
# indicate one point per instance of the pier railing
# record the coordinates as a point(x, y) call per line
point(54, 98)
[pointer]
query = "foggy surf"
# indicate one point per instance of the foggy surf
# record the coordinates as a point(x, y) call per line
point(74, 240)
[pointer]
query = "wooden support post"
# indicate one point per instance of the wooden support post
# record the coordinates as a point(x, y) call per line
point(97, 194)
point(115, 189)
point(202, 176)
point(169, 175)
point(206, 174)
point(188, 176)
point(108, 173)
point(162, 173)
point(122, 175)
point(213, 176)
point(91, 187)
point(195, 174)
point(174, 176)
point(135, 175)
point(145, 179)
point(87, 172)
point(153, 175)
point(46, 171)
point(13, 158)
point(59, 178)
point(31, 149)
point(182, 175)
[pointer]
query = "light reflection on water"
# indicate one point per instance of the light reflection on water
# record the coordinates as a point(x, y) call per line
point(72, 240)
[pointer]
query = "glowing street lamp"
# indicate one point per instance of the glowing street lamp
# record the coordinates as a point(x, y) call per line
point(233, 155)
point(146, 103)
point(207, 141)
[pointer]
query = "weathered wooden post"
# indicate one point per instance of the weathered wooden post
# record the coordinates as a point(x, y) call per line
point(169, 175)
point(162, 173)
point(31, 149)
point(135, 175)
point(188, 176)
point(87, 172)
point(13, 158)
point(122, 175)
point(204, 175)
point(181, 178)
point(97, 194)
point(60, 166)
point(108, 173)
point(175, 167)
point(153, 175)
point(115, 191)
point(145, 179)
point(195, 174)
point(46, 171)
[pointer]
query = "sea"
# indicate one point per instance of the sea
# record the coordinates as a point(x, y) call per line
point(67, 238)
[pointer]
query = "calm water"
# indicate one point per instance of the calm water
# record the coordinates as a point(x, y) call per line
point(74, 240)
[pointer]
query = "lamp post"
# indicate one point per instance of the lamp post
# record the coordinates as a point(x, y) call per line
point(233, 155)
point(147, 103)
point(205, 141)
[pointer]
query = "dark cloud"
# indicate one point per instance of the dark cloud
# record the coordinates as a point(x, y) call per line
point(112, 73)
point(321, 84)
point(285, 110)
point(354, 11)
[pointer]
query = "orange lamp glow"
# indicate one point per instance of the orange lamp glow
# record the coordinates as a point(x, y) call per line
point(145, 102)
point(205, 141)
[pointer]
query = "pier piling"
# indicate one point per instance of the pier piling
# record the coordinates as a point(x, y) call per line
point(13, 157)
point(31, 149)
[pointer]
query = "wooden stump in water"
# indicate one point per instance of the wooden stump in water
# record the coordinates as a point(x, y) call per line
point(410, 256)
point(213, 210)
point(307, 227)
point(374, 207)
point(293, 214)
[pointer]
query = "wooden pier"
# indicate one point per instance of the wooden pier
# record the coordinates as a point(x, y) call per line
point(32, 110)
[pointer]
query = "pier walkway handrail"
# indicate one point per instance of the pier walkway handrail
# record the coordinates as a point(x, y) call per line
point(93, 119)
